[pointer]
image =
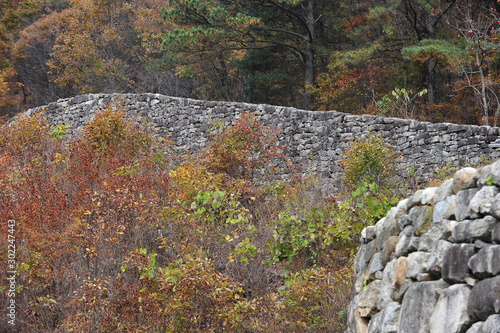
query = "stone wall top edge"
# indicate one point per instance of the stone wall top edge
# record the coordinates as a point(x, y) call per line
point(264, 108)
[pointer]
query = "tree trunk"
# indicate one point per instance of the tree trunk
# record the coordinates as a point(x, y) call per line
point(309, 54)
point(431, 64)
point(484, 100)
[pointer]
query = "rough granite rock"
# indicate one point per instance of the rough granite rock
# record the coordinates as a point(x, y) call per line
point(438, 252)
point(450, 314)
point(418, 305)
point(494, 172)
point(416, 263)
point(367, 305)
point(375, 266)
point(403, 222)
point(482, 201)
point(495, 207)
point(436, 232)
point(388, 250)
point(454, 270)
point(444, 209)
point(386, 321)
point(483, 297)
point(414, 200)
point(486, 262)
point(444, 191)
point(355, 323)
point(421, 217)
point(402, 247)
point(428, 195)
point(464, 178)
point(495, 234)
point(462, 201)
point(484, 173)
point(492, 324)
point(385, 289)
point(476, 328)
point(368, 234)
point(400, 283)
point(470, 230)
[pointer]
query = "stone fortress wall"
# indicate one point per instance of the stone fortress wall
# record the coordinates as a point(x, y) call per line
point(432, 264)
point(313, 139)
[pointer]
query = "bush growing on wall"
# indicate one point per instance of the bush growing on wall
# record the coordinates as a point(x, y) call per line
point(368, 159)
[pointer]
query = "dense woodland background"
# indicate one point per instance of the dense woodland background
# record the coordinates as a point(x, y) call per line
point(433, 60)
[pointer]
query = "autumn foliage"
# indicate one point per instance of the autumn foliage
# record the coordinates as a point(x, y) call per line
point(115, 232)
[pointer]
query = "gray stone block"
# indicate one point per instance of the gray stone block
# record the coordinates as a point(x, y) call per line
point(486, 262)
point(483, 297)
point(464, 178)
point(482, 201)
point(385, 290)
point(495, 234)
point(367, 305)
point(476, 328)
point(437, 254)
point(454, 269)
point(462, 201)
point(386, 321)
point(436, 232)
point(450, 314)
point(492, 324)
point(470, 230)
point(418, 305)
point(444, 191)
point(402, 247)
point(416, 263)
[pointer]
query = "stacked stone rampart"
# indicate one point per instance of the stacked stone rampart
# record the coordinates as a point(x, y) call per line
point(315, 140)
point(433, 263)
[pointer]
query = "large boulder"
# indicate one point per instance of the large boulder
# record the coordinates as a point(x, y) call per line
point(470, 230)
point(400, 283)
point(450, 314)
point(454, 269)
point(418, 305)
point(386, 321)
point(483, 297)
point(486, 262)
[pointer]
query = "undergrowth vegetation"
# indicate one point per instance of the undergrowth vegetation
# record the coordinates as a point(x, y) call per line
point(115, 232)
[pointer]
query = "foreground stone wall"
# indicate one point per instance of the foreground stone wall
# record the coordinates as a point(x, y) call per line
point(433, 263)
point(314, 139)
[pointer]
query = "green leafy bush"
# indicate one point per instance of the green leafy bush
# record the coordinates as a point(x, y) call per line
point(368, 159)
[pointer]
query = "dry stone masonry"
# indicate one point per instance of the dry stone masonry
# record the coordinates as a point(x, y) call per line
point(314, 139)
point(433, 263)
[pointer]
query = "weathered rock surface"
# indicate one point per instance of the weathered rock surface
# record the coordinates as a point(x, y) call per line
point(367, 305)
point(491, 325)
point(439, 250)
point(418, 305)
point(450, 314)
point(486, 262)
point(470, 230)
point(443, 273)
point(464, 178)
point(454, 270)
point(387, 320)
point(416, 263)
point(385, 291)
point(483, 297)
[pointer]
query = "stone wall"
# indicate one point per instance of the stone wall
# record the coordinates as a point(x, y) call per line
point(314, 139)
point(433, 263)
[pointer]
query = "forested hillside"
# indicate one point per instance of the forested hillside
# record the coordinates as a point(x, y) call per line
point(428, 59)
